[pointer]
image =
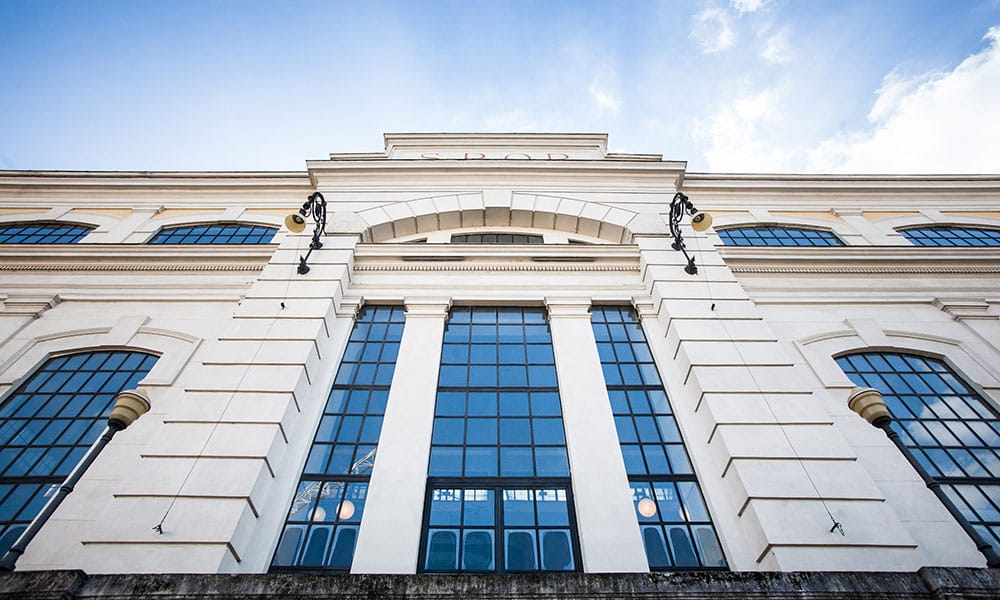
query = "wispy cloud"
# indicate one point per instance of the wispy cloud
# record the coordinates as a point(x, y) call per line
point(712, 30)
point(745, 6)
point(605, 103)
point(777, 48)
point(937, 122)
point(736, 136)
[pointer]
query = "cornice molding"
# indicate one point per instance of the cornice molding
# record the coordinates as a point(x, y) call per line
point(496, 267)
point(130, 267)
point(848, 270)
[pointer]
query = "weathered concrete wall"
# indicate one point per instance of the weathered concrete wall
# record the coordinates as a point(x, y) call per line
point(936, 583)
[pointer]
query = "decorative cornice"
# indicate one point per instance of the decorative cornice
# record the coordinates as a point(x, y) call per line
point(884, 270)
point(129, 267)
point(498, 267)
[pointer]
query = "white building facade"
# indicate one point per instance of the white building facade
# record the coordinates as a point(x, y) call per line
point(497, 363)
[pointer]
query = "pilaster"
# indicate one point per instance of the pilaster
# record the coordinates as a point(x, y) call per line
point(601, 494)
point(389, 539)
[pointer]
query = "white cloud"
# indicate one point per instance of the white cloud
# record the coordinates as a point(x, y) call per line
point(735, 137)
point(712, 30)
point(777, 48)
point(936, 123)
point(512, 121)
point(745, 6)
point(604, 101)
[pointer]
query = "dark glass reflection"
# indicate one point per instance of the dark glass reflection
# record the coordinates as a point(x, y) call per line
point(947, 427)
point(48, 423)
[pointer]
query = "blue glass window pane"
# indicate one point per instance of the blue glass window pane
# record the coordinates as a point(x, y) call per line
point(951, 235)
point(945, 425)
point(44, 435)
point(223, 233)
point(43, 233)
point(775, 235)
point(652, 447)
point(509, 408)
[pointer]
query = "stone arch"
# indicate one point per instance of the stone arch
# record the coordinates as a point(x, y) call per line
point(173, 349)
point(497, 210)
point(821, 351)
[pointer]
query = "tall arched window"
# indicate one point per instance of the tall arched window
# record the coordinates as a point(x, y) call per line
point(49, 421)
point(947, 427)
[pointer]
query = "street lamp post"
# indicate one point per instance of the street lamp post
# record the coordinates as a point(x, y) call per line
point(315, 207)
point(700, 221)
point(129, 406)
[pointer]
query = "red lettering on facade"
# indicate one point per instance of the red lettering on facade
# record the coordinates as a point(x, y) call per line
point(557, 156)
point(468, 156)
point(514, 154)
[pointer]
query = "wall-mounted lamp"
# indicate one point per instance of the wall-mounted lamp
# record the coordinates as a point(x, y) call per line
point(868, 403)
point(129, 406)
point(700, 221)
point(315, 206)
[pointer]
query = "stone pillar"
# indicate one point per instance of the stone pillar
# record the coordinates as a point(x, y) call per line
point(234, 428)
point(775, 470)
point(389, 539)
point(610, 541)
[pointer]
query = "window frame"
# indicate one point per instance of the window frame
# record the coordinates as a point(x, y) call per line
point(329, 443)
point(466, 339)
point(498, 486)
point(40, 391)
point(825, 234)
point(909, 437)
point(53, 224)
point(950, 228)
point(649, 478)
point(166, 232)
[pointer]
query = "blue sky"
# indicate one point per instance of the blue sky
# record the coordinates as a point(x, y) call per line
point(727, 85)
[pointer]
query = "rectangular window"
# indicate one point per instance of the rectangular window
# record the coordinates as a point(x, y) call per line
point(498, 487)
point(322, 525)
point(677, 531)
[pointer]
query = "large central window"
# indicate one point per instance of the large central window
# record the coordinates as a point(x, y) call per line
point(498, 488)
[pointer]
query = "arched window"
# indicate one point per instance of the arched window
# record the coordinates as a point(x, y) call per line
point(322, 525)
point(49, 421)
point(677, 530)
point(947, 427)
point(496, 238)
point(777, 235)
point(951, 235)
point(218, 233)
point(498, 486)
point(43, 233)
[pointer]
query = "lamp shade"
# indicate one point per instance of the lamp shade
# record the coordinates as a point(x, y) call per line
point(701, 221)
point(129, 406)
point(295, 223)
point(868, 403)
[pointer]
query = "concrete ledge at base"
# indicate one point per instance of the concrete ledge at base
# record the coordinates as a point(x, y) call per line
point(929, 583)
